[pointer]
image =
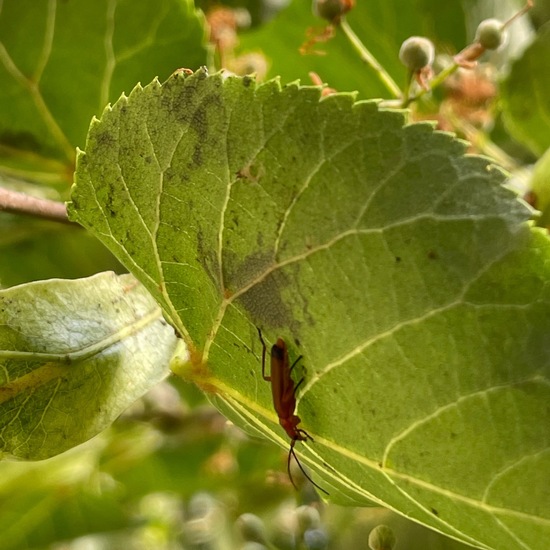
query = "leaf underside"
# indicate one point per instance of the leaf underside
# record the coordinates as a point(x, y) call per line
point(398, 266)
point(74, 355)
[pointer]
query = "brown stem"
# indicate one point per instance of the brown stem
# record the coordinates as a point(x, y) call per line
point(529, 4)
point(20, 203)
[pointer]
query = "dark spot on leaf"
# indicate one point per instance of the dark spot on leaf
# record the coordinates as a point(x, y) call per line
point(211, 103)
point(435, 512)
point(109, 200)
point(199, 123)
point(432, 255)
point(104, 139)
point(251, 172)
point(263, 300)
point(398, 259)
point(206, 257)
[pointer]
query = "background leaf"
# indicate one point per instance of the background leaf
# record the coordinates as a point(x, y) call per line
point(396, 265)
point(83, 54)
point(80, 352)
point(60, 64)
point(526, 95)
point(383, 26)
point(539, 193)
point(39, 249)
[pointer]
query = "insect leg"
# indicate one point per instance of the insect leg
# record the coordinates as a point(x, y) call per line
point(290, 371)
point(292, 453)
point(305, 435)
point(264, 348)
point(295, 362)
point(297, 386)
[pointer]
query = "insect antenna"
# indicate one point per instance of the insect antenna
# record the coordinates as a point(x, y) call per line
point(292, 453)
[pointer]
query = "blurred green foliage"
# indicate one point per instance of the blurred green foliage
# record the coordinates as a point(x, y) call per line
point(171, 473)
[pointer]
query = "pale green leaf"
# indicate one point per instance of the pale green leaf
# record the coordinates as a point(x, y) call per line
point(399, 267)
point(73, 356)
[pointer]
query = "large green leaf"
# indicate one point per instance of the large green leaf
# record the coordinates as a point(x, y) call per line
point(399, 267)
point(74, 355)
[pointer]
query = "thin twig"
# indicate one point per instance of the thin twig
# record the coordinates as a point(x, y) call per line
point(432, 84)
point(20, 203)
point(370, 60)
point(468, 55)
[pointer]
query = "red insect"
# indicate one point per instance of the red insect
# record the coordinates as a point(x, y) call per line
point(284, 399)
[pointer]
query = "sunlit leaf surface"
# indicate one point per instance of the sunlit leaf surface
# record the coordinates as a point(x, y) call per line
point(398, 266)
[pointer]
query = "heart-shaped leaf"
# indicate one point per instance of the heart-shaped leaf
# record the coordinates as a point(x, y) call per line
point(398, 266)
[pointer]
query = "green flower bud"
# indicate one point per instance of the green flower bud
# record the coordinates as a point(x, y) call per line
point(382, 538)
point(251, 528)
point(308, 517)
point(332, 10)
point(316, 539)
point(416, 53)
point(490, 34)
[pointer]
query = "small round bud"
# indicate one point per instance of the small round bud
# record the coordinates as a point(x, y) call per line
point(251, 527)
point(201, 505)
point(382, 538)
point(332, 10)
point(490, 34)
point(308, 517)
point(316, 539)
point(416, 53)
